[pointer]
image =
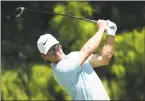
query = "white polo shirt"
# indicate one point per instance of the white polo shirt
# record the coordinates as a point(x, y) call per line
point(81, 83)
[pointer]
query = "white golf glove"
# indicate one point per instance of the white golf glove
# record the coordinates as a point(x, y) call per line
point(111, 28)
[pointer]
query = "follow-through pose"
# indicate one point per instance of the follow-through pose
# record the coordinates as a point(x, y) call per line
point(74, 71)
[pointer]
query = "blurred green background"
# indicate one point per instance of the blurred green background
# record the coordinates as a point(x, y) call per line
point(26, 76)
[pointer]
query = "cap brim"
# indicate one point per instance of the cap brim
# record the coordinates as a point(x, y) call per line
point(47, 49)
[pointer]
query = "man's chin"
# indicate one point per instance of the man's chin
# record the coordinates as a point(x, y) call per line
point(56, 61)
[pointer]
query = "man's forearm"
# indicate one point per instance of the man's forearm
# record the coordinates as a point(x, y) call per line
point(92, 44)
point(108, 48)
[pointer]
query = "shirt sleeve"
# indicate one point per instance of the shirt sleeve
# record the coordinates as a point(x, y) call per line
point(70, 67)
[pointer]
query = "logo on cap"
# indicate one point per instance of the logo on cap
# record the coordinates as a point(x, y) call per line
point(45, 42)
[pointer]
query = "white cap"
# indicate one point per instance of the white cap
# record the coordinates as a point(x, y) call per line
point(45, 42)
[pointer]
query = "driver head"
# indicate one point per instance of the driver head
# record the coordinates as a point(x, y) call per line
point(18, 11)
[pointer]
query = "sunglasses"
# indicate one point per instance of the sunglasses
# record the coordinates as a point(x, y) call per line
point(53, 50)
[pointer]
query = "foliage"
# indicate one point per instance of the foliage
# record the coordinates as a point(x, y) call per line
point(26, 77)
point(73, 32)
point(127, 67)
point(125, 74)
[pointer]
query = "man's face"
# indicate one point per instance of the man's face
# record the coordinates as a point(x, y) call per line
point(53, 53)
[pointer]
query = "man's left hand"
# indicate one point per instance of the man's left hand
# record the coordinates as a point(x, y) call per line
point(111, 28)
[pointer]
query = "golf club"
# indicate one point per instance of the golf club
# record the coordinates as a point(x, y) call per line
point(18, 12)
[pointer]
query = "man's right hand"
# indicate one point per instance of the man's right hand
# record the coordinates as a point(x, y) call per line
point(102, 24)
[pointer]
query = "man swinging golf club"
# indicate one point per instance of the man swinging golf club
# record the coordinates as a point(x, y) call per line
point(74, 71)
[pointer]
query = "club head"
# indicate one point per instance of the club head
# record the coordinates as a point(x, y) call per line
point(18, 11)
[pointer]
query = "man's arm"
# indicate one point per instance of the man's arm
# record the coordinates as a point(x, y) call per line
point(92, 44)
point(104, 58)
point(108, 49)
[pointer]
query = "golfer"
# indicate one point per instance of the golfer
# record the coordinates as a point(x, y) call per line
point(74, 72)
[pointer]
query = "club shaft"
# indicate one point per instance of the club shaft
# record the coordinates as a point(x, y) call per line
point(35, 10)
